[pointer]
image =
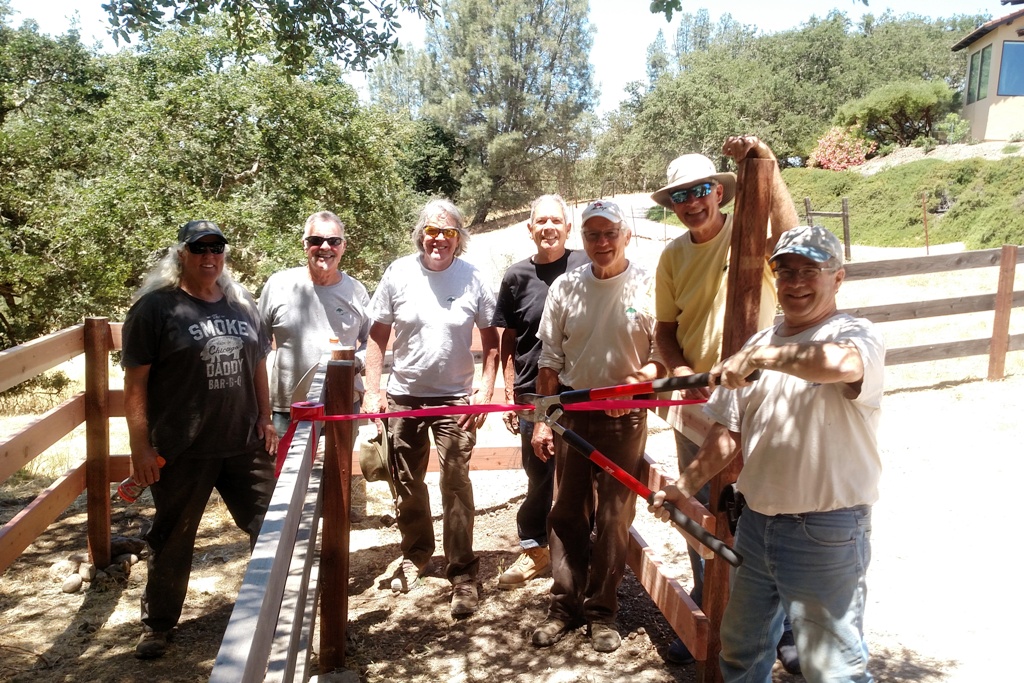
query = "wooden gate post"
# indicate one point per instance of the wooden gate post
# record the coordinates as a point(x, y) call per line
point(1004, 302)
point(337, 501)
point(743, 299)
point(98, 343)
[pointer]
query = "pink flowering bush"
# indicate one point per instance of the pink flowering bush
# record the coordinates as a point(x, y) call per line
point(839, 149)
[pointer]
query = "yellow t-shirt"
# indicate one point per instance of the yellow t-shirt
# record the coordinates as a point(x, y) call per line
point(690, 291)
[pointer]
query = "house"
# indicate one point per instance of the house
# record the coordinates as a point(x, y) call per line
point(994, 99)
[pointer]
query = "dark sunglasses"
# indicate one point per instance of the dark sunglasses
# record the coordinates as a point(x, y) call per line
point(203, 247)
point(696, 192)
point(316, 240)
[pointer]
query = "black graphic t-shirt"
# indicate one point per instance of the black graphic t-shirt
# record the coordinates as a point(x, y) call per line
point(201, 394)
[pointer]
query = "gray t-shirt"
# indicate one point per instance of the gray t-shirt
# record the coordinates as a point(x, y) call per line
point(433, 314)
point(302, 317)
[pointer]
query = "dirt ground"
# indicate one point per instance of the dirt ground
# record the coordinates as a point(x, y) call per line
point(939, 579)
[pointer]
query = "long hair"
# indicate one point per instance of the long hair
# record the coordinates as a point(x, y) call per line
point(432, 207)
point(167, 274)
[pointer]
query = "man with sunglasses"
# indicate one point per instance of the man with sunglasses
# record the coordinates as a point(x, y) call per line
point(807, 433)
point(305, 307)
point(691, 291)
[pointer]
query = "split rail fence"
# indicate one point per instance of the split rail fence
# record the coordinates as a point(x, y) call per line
point(301, 557)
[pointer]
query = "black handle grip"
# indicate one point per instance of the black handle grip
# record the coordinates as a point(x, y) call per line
point(717, 545)
point(694, 381)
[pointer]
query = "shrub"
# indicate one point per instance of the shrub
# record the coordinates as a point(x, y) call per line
point(954, 128)
point(1018, 136)
point(839, 149)
point(1011, 149)
point(900, 112)
point(926, 143)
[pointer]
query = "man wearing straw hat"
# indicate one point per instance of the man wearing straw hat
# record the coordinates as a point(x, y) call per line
point(690, 297)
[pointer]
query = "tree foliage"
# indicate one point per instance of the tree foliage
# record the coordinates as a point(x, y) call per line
point(900, 112)
point(346, 30)
point(93, 184)
point(512, 83)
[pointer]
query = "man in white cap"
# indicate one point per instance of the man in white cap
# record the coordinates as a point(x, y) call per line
point(596, 330)
point(807, 430)
point(691, 292)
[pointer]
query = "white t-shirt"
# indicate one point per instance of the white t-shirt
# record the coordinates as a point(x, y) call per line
point(303, 317)
point(594, 332)
point(432, 314)
point(806, 447)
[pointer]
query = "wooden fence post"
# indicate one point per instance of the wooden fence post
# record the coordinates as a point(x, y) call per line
point(1001, 324)
point(846, 227)
point(743, 299)
point(337, 501)
point(98, 343)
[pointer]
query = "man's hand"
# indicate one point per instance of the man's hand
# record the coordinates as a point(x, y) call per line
point(732, 373)
point(741, 147)
point(695, 394)
point(145, 469)
point(511, 420)
point(670, 494)
point(543, 442)
point(475, 421)
point(265, 430)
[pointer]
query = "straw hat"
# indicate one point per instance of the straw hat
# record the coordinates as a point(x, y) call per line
point(691, 169)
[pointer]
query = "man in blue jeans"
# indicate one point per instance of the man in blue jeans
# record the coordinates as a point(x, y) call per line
point(524, 288)
point(807, 430)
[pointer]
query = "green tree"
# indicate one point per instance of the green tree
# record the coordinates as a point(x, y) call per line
point(512, 81)
point(657, 58)
point(900, 112)
point(343, 29)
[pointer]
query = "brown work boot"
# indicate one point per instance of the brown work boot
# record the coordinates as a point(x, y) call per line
point(152, 644)
point(604, 637)
point(549, 632)
point(405, 577)
point(533, 562)
point(464, 596)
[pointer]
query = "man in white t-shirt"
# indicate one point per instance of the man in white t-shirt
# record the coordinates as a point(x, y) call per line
point(305, 307)
point(807, 430)
point(597, 330)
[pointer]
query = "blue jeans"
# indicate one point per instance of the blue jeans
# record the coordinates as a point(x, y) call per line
point(532, 518)
point(812, 567)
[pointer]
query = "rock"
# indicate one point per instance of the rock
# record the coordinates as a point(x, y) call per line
point(72, 584)
point(78, 557)
point(122, 545)
point(340, 676)
point(60, 570)
point(87, 570)
point(130, 558)
point(101, 576)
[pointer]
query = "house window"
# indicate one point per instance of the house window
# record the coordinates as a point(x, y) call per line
point(1011, 70)
point(977, 85)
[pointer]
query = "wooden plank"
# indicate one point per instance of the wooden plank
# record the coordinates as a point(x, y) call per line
point(120, 467)
point(115, 401)
point(25, 527)
point(920, 310)
point(36, 437)
point(947, 350)
point(25, 361)
point(1001, 324)
point(245, 647)
point(654, 479)
point(97, 439)
point(682, 614)
point(115, 335)
point(921, 265)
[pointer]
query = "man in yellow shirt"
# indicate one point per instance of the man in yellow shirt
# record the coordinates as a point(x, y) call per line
point(690, 297)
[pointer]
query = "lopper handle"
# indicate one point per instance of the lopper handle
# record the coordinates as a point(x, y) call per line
point(691, 527)
point(694, 381)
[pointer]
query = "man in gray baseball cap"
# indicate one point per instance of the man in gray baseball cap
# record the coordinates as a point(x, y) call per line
point(691, 292)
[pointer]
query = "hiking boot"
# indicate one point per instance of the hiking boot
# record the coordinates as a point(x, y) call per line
point(464, 596)
point(406, 577)
point(549, 632)
point(786, 651)
point(604, 637)
point(152, 644)
point(532, 563)
point(678, 653)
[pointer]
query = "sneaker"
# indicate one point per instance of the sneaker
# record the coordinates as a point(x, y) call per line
point(549, 632)
point(604, 637)
point(464, 596)
point(532, 563)
point(406, 576)
point(786, 651)
point(678, 653)
point(152, 644)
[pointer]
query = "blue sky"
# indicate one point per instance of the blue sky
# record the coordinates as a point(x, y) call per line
point(623, 28)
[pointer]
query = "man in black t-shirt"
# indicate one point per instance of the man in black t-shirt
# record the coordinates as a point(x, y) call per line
point(524, 288)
